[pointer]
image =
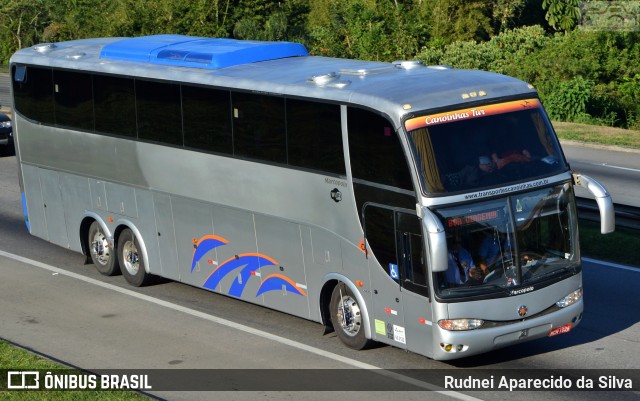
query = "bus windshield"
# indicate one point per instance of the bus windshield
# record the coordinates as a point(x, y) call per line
point(503, 244)
point(485, 146)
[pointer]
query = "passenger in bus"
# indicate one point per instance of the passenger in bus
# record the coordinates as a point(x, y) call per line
point(460, 262)
point(483, 174)
point(510, 156)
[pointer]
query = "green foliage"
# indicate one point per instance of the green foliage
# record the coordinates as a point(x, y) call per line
point(562, 14)
point(568, 102)
point(582, 76)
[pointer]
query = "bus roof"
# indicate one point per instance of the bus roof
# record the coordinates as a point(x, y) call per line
point(188, 51)
point(280, 68)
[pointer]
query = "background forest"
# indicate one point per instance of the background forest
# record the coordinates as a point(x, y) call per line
point(582, 56)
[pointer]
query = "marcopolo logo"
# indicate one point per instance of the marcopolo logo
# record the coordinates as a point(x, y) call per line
point(610, 16)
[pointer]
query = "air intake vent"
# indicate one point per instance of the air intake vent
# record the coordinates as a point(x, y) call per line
point(196, 52)
point(44, 47)
point(331, 79)
point(408, 64)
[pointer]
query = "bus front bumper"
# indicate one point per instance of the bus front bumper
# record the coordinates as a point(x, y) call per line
point(460, 344)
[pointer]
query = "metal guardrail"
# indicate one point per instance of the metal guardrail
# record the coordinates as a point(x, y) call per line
point(5, 95)
point(626, 216)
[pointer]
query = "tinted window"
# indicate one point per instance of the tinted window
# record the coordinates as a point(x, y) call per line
point(34, 94)
point(159, 117)
point(314, 136)
point(74, 99)
point(207, 119)
point(375, 150)
point(380, 232)
point(115, 105)
point(489, 146)
point(259, 127)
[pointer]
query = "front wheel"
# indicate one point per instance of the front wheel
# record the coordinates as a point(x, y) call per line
point(347, 319)
point(132, 262)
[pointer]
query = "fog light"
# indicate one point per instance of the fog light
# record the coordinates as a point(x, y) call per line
point(446, 347)
point(570, 299)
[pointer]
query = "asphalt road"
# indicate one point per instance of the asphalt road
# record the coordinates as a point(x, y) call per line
point(54, 304)
point(617, 169)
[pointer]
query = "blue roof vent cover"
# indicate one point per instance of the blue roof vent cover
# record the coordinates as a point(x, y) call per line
point(190, 51)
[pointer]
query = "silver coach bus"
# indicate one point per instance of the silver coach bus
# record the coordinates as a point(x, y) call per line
point(427, 208)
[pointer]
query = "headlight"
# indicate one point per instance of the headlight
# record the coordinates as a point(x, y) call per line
point(570, 299)
point(5, 124)
point(460, 324)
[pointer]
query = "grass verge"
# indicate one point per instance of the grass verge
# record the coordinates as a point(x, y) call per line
point(15, 358)
point(621, 246)
point(597, 134)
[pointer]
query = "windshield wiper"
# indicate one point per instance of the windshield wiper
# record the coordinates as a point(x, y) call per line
point(553, 272)
point(476, 288)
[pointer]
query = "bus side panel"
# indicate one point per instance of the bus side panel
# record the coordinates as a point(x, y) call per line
point(418, 320)
point(284, 282)
point(35, 205)
point(236, 244)
point(53, 208)
point(145, 221)
point(387, 312)
point(315, 269)
point(121, 200)
point(76, 198)
point(193, 222)
point(166, 237)
point(98, 194)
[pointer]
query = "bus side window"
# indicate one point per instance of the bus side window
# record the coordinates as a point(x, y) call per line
point(159, 117)
point(375, 150)
point(259, 128)
point(33, 92)
point(207, 119)
point(314, 136)
point(74, 99)
point(411, 256)
point(379, 226)
point(115, 105)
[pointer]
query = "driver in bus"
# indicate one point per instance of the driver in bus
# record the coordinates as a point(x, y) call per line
point(492, 248)
point(460, 262)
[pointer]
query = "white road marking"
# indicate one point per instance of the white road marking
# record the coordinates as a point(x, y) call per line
point(618, 167)
point(243, 328)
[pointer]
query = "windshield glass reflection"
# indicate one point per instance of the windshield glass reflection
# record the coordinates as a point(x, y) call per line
point(502, 244)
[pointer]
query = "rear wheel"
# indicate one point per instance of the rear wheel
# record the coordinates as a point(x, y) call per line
point(132, 262)
point(347, 318)
point(102, 253)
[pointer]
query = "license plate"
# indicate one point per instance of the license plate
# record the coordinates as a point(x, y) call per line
point(560, 330)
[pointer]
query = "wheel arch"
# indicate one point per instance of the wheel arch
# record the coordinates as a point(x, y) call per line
point(330, 281)
point(121, 225)
point(87, 219)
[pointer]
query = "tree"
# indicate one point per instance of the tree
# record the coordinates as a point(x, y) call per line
point(23, 23)
point(562, 14)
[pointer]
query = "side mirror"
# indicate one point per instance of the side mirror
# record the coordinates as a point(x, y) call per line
point(605, 203)
point(437, 240)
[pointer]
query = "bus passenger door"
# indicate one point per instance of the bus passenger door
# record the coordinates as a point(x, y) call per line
point(387, 314)
point(413, 276)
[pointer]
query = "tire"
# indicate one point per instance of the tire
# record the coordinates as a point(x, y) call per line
point(132, 263)
point(349, 326)
point(103, 255)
